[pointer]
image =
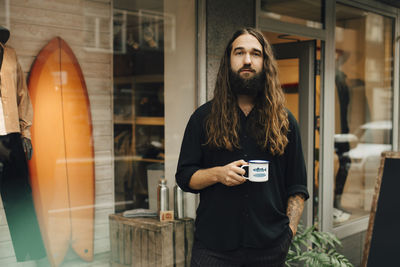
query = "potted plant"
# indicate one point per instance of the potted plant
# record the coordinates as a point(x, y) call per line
point(313, 248)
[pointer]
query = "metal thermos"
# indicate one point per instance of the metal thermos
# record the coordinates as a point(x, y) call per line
point(162, 196)
point(179, 204)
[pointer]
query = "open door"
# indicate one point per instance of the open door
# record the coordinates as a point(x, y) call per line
point(296, 62)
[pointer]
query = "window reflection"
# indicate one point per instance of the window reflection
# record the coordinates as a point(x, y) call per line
point(122, 49)
point(138, 103)
point(363, 104)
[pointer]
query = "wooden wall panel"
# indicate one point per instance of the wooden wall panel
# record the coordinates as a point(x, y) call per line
point(45, 17)
point(68, 6)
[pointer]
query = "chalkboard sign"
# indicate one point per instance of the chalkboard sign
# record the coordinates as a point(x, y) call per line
point(382, 243)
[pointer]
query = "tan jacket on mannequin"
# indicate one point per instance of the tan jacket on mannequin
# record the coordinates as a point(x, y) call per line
point(17, 106)
point(15, 189)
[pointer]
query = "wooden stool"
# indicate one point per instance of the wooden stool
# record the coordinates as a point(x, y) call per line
point(142, 242)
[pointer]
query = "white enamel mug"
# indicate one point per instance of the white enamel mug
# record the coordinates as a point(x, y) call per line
point(258, 170)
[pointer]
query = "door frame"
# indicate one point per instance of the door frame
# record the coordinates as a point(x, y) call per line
point(305, 51)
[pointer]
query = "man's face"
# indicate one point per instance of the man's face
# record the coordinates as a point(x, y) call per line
point(247, 56)
point(246, 75)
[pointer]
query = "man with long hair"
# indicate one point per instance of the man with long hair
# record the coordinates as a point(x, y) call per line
point(239, 222)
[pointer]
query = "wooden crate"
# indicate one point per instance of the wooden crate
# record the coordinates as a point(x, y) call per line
point(147, 242)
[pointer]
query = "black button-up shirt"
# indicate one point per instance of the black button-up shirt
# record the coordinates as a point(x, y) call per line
point(252, 214)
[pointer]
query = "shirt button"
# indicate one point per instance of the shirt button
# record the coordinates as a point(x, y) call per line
point(245, 155)
point(246, 195)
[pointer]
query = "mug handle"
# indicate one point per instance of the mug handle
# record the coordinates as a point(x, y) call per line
point(247, 171)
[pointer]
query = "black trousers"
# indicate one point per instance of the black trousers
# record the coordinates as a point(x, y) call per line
point(344, 166)
point(343, 91)
point(16, 194)
point(242, 257)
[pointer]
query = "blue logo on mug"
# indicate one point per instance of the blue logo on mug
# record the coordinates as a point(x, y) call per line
point(260, 169)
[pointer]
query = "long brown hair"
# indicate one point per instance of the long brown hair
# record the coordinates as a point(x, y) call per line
point(269, 125)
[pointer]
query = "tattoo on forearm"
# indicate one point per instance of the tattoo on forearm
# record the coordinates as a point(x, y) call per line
point(294, 210)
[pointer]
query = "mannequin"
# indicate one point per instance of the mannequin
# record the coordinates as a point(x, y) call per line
point(15, 149)
point(342, 147)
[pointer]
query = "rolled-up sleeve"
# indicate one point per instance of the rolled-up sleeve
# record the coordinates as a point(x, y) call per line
point(191, 155)
point(296, 175)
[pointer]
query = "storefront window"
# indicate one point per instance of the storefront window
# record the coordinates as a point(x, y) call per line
point(303, 12)
point(363, 107)
point(138, 104)
point(112, 84)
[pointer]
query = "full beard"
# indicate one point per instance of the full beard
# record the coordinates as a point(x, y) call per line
point(251, 87)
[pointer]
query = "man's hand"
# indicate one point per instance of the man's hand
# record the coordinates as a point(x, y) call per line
point(231, 174)
point(27, 145)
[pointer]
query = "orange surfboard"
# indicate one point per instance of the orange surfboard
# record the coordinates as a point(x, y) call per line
point(62, 167)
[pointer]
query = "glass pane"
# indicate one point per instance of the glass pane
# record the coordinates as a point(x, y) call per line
point(363, 107)
point(289, 71)
point(99, 75)
point(304, 12)
point(138, 104)
point(289, 77)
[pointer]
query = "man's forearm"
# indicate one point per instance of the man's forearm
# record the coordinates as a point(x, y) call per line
point(294, 210)
point(229, 175)
point(203, 178)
